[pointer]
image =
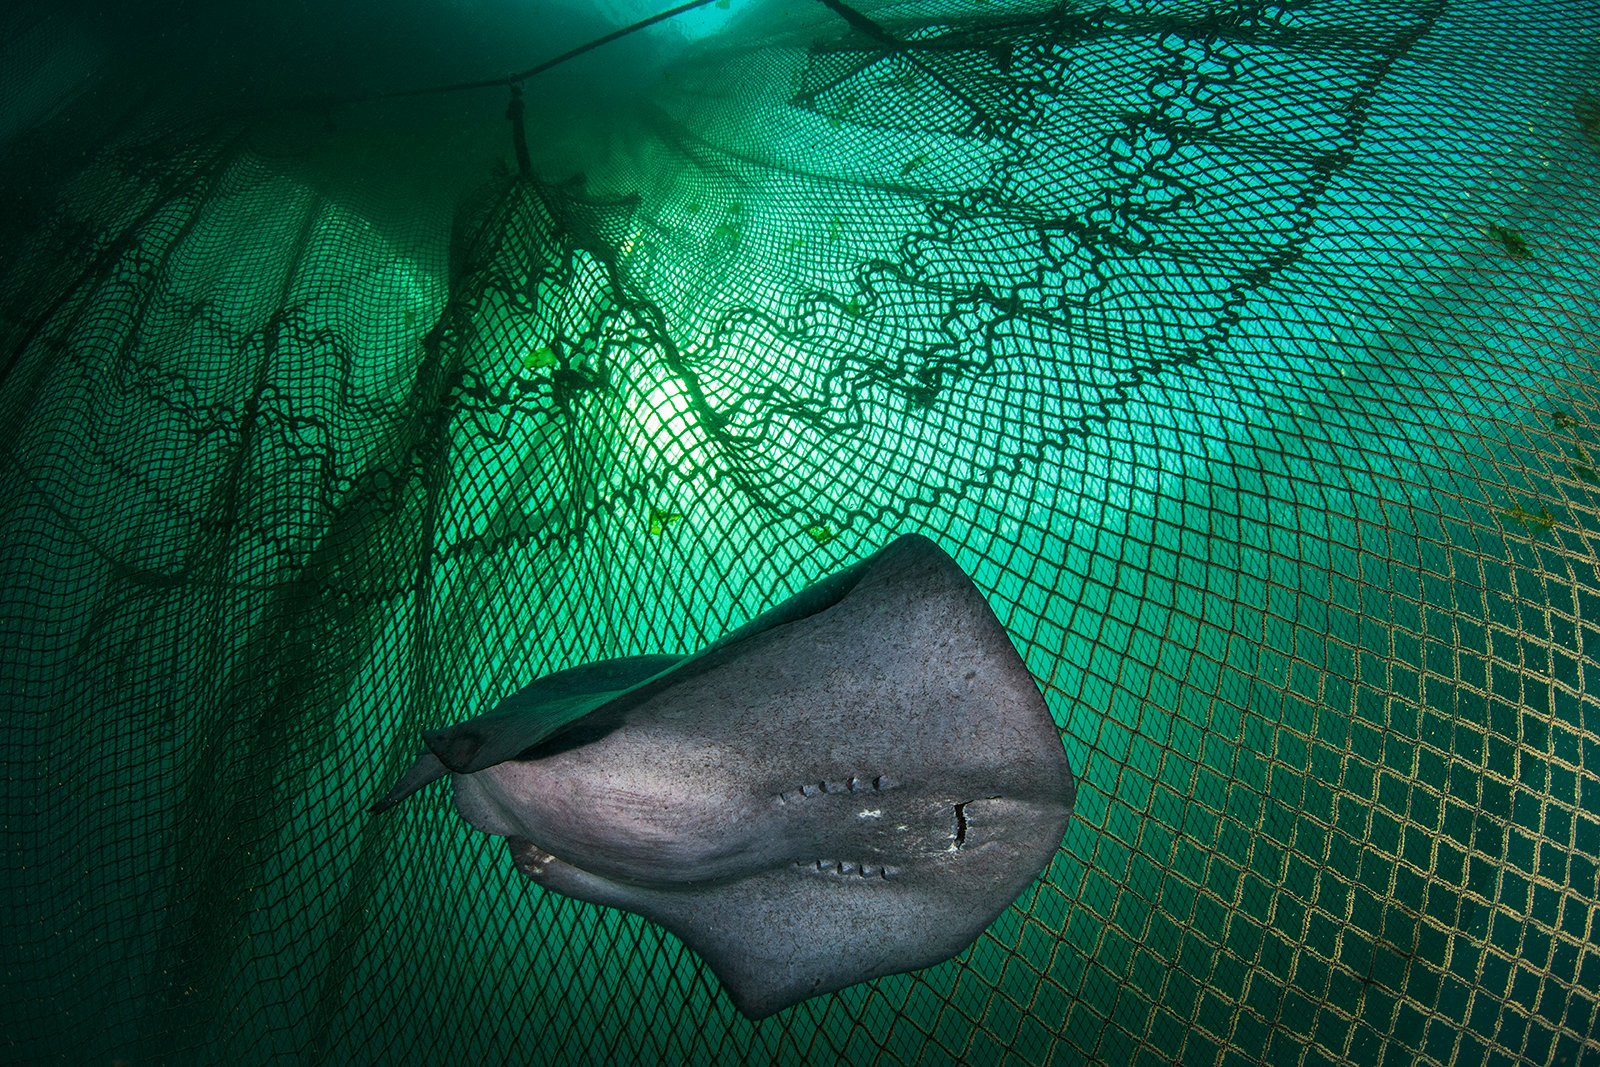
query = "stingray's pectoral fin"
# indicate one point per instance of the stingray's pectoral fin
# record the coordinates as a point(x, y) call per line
point(540, 711)
point(426, 769)
point(455, 747)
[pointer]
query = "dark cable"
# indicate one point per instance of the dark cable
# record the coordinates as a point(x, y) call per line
point(538, 68)
point(519, 133)
point(856, 20)
point(861, 24)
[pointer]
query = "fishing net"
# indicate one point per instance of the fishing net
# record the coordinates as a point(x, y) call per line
point(1243, 353)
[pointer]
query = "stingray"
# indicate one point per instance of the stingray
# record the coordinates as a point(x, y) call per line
point(854, 784)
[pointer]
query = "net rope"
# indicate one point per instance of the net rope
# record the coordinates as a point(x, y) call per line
point(1243, 354)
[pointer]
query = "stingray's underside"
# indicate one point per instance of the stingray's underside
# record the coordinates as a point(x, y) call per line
point(853, 785)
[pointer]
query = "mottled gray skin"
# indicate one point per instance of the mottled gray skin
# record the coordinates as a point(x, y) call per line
point(839, 795)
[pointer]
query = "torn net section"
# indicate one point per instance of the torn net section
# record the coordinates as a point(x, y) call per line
point(1244, 356)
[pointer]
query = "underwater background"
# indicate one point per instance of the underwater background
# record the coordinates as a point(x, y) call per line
point(1243, 354)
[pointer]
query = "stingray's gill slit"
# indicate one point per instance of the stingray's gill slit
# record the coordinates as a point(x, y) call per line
point(854, 784)
point(596, 777)
point(851, 868)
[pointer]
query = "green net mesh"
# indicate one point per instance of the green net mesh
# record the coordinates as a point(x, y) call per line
point(1243, 353)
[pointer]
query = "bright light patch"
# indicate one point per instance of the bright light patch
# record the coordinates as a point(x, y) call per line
point(665, 425)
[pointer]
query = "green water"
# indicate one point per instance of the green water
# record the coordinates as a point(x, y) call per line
point(1245, 362)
